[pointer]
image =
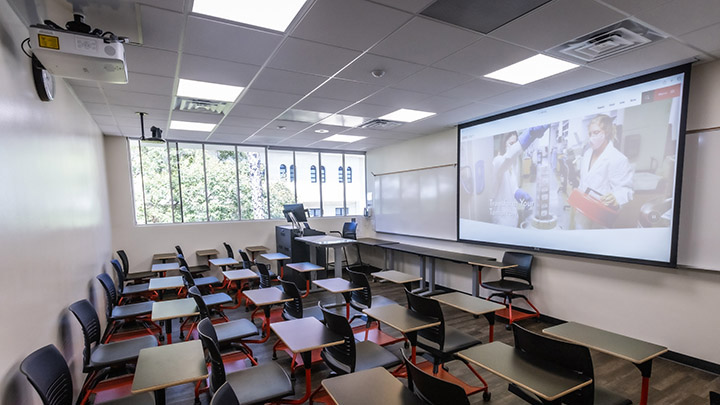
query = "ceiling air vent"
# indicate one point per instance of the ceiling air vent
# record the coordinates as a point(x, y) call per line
point(202, 106)
point(612, 40)
point(380, 124)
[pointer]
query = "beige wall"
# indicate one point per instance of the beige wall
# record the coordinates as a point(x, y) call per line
point(54, 225)
point(673, 307)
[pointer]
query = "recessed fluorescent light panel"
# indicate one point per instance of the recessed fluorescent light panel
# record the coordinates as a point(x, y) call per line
point(271, 14)
point(343, 138)
point(208, 91)
point(405, 115)
point(191, 126)
point(531, 69)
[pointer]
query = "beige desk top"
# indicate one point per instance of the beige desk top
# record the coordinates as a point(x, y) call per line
point(304, 267)
point(400, 318)
point(373, 386)
point(396, 277)
point(164, 256)
point(206, 252)
point(242, 274)
point(336, 285)
point(166, 283)
point(162, 310)
point(305, 334)
point(267, 296)
point(159, 267)
point(468, 303)
point(165, 366)
point(256, 249)
point(274, 256)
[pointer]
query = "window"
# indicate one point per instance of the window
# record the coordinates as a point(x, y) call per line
point(180, 182)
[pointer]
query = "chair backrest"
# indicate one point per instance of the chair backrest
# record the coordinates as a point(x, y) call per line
point(194, 293)
point(264, 275)
point(292, 309)
point(49, 374)
point(563, 354)
point(430, 308)
point(524, 266)
point(178, 249)
point(224, 396)
point(431, 389)
point(120, 275)
point(364, 296)
point(111, 295)
point(187, 276)
point(344, 353)
point(209, 339)
point(229, 250)
point(349, 230)
point(124, 260)
point(85, 314)
point(247, 263)
point(181, 260)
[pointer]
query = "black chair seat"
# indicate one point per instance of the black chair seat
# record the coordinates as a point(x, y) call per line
point(141, 399)
point(455, 340)
point(132, 310)
point(136, 289)
point(139, 275)
point(123, 351)
point(368, 355)
point(260, 384)
point(606, 397)
point(216, 299)
point(506, 286)
point(205, 281)
point(234, 330)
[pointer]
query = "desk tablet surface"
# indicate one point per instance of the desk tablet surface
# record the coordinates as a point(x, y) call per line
point(489, 262)
point(165, 266)
point(164, 366)
point(256, 249)
point(164, 256)
point(373, 386)
point(223, 261)
point(468, 303)
point(242, 274)
point(305, 334)
point(206, 252)
point(325, 240)
point(376, 242)
point(547, 382)
point(162, 310)
point(395, 276)
point(267, 296)
point(634, 350)
point(165, 283)
point(274, 256)
point(304, 267)
point(401, 318)
point(336, 285)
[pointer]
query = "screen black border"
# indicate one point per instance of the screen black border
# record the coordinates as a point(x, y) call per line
point(672, 262)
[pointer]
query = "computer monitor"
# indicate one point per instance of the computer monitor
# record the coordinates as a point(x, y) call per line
point(298, 211)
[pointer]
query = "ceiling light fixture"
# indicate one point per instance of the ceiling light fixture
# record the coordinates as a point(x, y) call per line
point(321, 131)
point(271, 14)
point(531, 69)
point(406, 115)
point(208, 90)
point(191, 126)
point(343, 138)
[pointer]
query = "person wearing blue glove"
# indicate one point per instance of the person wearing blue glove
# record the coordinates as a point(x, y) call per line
point(504, 205)
point(531, 134)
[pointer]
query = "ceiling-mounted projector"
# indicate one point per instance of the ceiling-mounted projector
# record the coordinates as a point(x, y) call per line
point(79, 55)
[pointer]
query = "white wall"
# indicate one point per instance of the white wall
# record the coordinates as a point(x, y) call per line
point(672, 307)
point(140, 242)
point(54, 225)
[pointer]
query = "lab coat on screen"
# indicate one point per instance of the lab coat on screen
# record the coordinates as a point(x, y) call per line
point(611, 173)
point(503, 205)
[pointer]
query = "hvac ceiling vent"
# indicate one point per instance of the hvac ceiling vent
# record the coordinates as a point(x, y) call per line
point(201, 106)
point(608, 41)
point(380, 124)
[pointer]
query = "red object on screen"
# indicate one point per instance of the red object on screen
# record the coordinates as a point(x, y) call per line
point(593, 208)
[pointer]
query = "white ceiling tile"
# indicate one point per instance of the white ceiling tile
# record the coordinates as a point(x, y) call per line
point(79, 83)
point(228, 138)
point(347, 90)
point(224, 128)
point(303, 56)
point(161, 28)
point(254, 111)
point(438, 104)
point(262, 140)
point(635, 6)
point(469, 113)
point(349, 24)
point(175, 5)
point(662, 53)
point(142, 83)
point(195, 117)
point(557, 22)
point(293, 126)
point(105, 120)
point(151, 61)
point(179, 135)
point(131, 98)
point(705, 39)
point(134, 122)
point(425, 41)
point(287, 82)
point(220, 40)
point(89, 94)
point(325, 145)
point(478, 89)
point(433, 81)
point(321, 104)
point(110, 130)
point(574, 80)
point(368, 110)
point(679, 17)
point(272, 132)
point(295, 143)
point(265, 98)
point(395, 97)
point(394, 70)
point(120, 111)
point(244, 122)
point(413, 6)
point(206, 69)
point(484, 56)
point(520, 97)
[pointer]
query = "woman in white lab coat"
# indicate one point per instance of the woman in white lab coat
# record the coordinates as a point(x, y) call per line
point(605, 169)
point(504, 206)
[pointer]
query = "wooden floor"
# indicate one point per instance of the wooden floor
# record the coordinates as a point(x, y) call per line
point(671, 383)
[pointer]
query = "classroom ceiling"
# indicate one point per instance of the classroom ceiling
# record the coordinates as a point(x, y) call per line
point(323, 63)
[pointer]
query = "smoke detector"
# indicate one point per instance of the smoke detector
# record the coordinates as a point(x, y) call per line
point(617, 38)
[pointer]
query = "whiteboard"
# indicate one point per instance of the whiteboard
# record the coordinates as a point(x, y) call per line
point(417, 202)
point(699, 231)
